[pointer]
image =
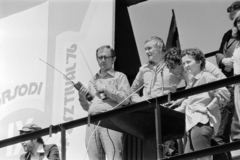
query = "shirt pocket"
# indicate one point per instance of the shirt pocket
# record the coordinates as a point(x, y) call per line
point(112, 83)
point(147, 77)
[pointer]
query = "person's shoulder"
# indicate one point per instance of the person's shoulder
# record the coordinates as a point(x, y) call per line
point(50, 146)
point(205, 73)
point(51, 151)
point(228, 34)
point(210, 65)
point(208, 76)
point(117, 73)
point(144, 66)
point(22, 157)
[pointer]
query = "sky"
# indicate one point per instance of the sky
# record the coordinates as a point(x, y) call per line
point(201, 23)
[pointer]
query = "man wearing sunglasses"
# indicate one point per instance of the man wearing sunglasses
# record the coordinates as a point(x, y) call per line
point(230, 123)
point(111, 90)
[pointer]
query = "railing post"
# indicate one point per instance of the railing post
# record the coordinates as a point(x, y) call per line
point(63, 144)
point(158, 127)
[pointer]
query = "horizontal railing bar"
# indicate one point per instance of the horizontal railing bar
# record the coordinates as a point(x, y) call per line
point(207, 55)
point(119, 111)
point(206, 152)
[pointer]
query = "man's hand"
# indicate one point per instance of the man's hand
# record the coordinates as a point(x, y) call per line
point(228, 69)
point(82, 93)
point(176, 103)
point(228, 62)
point(99, 87)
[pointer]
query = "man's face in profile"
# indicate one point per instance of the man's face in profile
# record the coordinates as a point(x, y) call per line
point(28, 145)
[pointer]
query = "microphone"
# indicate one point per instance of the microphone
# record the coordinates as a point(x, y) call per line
point(78, 85)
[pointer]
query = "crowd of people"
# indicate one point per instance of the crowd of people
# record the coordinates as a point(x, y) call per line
point(211, 118)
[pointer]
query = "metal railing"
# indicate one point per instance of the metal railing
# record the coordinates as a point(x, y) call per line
point(132, 108)
point(206, 152)
point(210, 54)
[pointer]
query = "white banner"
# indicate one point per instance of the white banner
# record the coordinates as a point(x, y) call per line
point(66, 35)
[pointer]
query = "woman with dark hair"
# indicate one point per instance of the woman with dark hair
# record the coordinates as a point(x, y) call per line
point(236, 61)
point(201, 110)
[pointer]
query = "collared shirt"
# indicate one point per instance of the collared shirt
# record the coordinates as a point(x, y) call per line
point(117, 90)
point(49, 151)
point(154, 83)
point(41, 152)
point(39, 155)
point(202, 100)
point(210, 68)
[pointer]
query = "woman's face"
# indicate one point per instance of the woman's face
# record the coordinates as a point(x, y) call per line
point(191, 65)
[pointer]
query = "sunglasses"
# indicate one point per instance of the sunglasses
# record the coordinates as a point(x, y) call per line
point(233, 8)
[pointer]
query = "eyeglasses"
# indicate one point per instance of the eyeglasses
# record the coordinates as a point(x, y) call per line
point(233, 8)
point(104, 57)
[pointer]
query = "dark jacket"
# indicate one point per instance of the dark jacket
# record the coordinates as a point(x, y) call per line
point(222, 53)
point(51, 152)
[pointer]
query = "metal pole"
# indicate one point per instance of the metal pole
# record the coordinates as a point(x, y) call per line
point(158, 127)
point(120, 111)
point(63, 144)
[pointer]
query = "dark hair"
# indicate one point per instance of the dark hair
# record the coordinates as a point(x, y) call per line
point(235, 30)
point(173, 57)
point(100, 49)
point(40, 140)
point(197, 54)
point(158, 42)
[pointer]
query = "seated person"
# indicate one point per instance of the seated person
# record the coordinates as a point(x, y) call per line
point(35, 148)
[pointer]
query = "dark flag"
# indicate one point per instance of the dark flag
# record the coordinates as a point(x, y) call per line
point(173, 37)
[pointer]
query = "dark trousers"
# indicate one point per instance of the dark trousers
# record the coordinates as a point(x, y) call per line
point(229, 126)
point(198, 138)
